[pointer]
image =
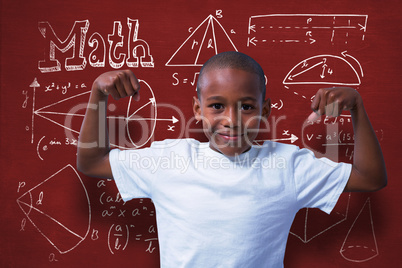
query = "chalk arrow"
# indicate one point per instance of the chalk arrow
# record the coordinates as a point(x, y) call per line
point(173, 119)
point(253, 41)
point(34, 83)
point(252, 27)
point(292, 139)
point(323, 71)
point(312, 41)
point(362, 27)
point(347, 55)
point(151, 101)
point(308, 69)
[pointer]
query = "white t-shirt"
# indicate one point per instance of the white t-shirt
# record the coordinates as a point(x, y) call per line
point(219, 211)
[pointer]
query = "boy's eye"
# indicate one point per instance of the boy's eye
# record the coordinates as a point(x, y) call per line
point(247, 107)
point(216, 106)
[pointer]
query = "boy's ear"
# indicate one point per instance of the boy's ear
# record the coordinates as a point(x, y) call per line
point(266, 108)
point(197, 108)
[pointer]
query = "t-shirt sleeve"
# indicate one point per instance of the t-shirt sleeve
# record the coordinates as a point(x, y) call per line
point(132, 172)
point(319, 181)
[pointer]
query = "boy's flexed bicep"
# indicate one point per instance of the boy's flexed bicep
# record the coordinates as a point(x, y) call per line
point(93, 142)
point(368, 171)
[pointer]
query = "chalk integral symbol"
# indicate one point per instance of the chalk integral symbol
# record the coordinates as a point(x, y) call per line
point(59, 209)
point(207, 40)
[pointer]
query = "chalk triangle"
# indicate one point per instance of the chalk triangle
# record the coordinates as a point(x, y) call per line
point(208, 46)
point(202, 44)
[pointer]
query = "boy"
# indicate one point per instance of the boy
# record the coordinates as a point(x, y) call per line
point(228, 208)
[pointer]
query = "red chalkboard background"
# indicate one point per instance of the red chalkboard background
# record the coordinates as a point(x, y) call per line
point(52, 215)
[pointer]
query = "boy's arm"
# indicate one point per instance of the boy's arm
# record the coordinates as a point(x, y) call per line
point(368, 171)
point(93, 141)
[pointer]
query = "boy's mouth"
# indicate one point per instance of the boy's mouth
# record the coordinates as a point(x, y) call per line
point(230, 136)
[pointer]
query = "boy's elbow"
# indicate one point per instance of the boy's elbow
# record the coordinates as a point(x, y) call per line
point(86, 169)
point(82, 166)
point(379, 183)
point(94, 167)
point(383, 182)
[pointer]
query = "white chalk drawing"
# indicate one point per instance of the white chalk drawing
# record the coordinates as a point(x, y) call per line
point(136, 46)
point(97, 56)
point(74, 41)
point(138, 50)
point(56, 221)
point(33, 85)
point(50, 113)
point(324, 69)
point(292, 139)
point(66, 110)
point(360, 243)
point(154, 116)
point(117, 238)
point(37, 148)
point(208, 39)
point(307, 231)
point(345, 29)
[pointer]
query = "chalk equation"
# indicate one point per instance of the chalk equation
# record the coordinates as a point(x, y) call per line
point(139, 212)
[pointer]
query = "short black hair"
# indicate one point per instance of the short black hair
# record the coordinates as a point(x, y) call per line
point(234, 60)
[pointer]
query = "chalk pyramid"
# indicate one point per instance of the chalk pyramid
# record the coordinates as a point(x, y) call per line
point(207, 40)
point(360, 244)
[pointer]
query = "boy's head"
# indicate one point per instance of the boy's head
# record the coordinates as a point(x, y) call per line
point(233, 60)
point(230, 103)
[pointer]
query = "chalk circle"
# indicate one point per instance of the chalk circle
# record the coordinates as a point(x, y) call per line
point(140, 119)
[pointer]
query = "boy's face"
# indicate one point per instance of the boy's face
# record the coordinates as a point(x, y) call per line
point(230, 107)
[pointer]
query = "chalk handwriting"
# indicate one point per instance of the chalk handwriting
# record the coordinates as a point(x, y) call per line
point(138, 51)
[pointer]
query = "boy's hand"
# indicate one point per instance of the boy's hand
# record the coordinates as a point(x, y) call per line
point(332, 101)
point(119, 84)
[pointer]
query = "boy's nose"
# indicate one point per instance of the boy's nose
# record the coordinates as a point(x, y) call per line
point(231, 118)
